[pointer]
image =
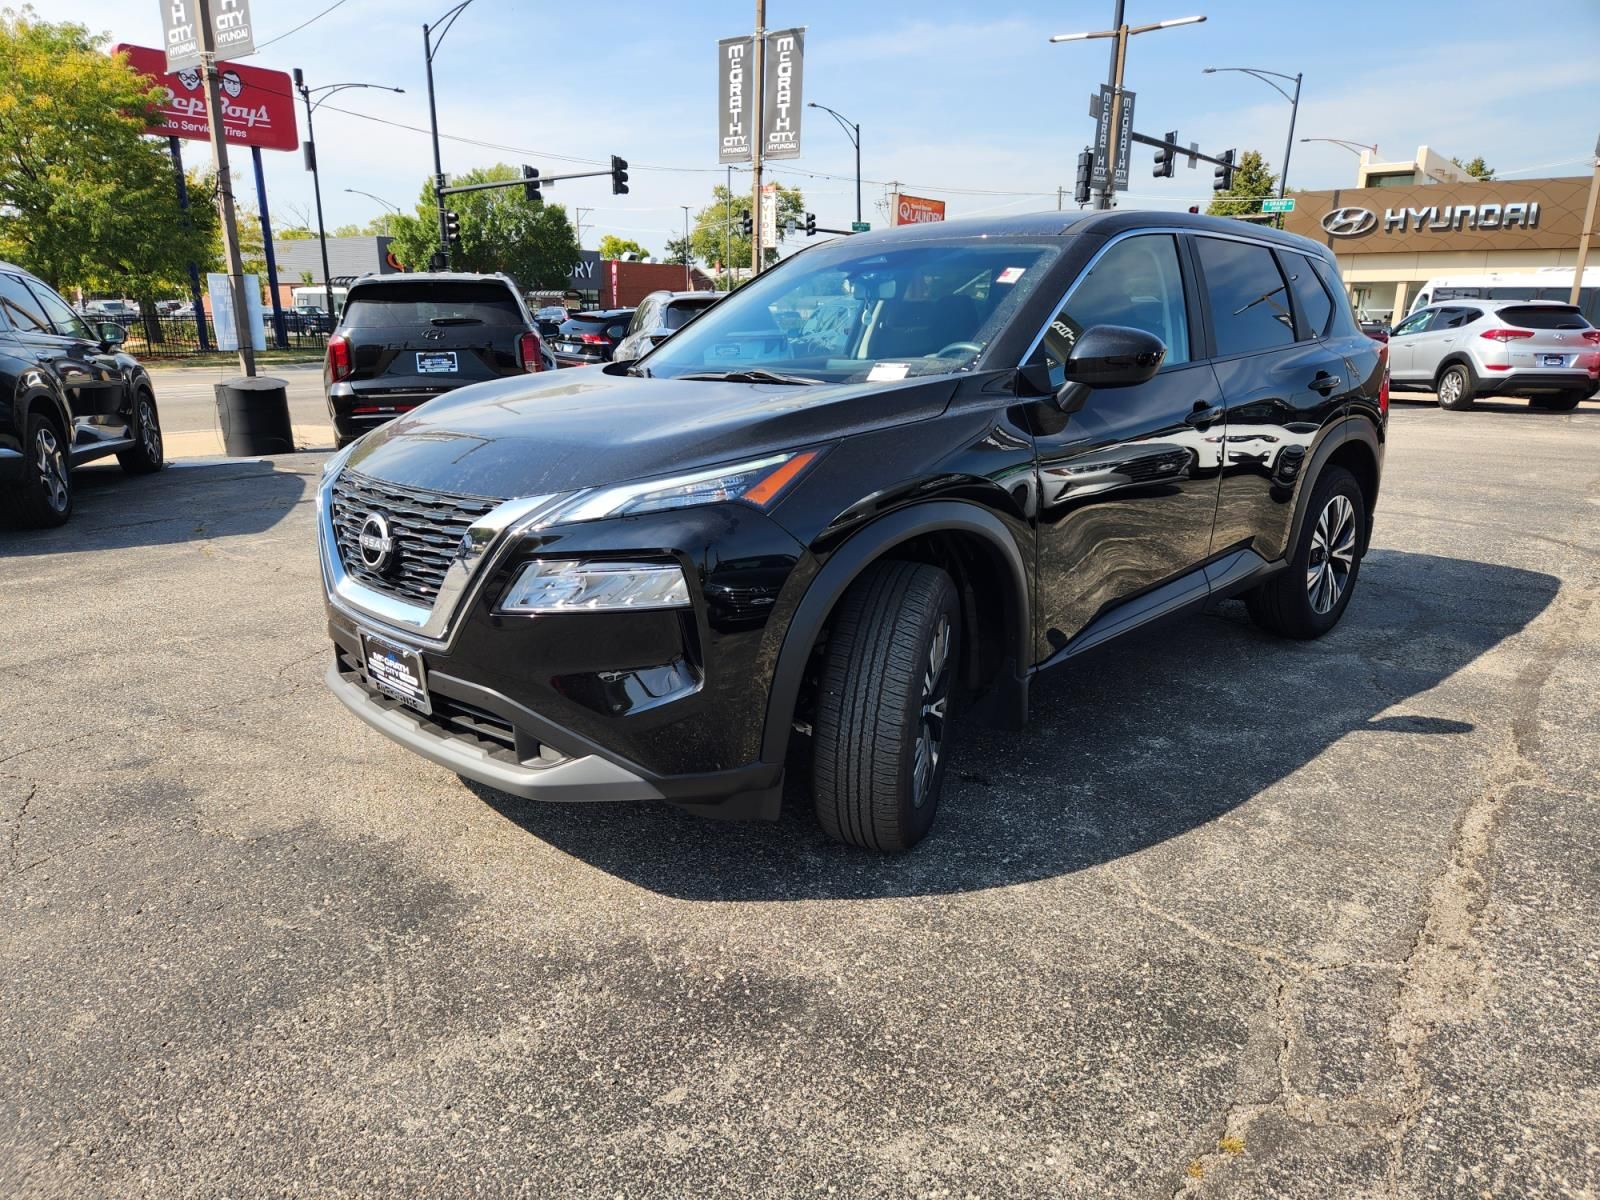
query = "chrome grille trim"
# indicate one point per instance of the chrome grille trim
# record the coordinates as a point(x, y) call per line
point(424, 618)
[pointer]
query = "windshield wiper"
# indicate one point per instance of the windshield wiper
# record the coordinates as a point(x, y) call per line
point(751, 375)
point(457, 321)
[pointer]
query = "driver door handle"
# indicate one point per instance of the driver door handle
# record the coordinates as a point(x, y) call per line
point(1325, 383)
point(1203, 415)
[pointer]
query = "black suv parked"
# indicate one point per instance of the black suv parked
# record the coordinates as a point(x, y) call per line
point(587, 338)
point(874, 490)
point(67, 395)
point(404, 339)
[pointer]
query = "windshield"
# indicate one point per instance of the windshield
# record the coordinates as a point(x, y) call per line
point(840, 315)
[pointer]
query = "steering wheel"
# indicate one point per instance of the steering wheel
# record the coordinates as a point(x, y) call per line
point(970, 347)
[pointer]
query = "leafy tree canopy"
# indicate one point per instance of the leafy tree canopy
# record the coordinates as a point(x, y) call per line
point(501, 230)
point(1477, 168)
point(722, 213)
point(1252, 181)
point(86, 200)
point(611, 246)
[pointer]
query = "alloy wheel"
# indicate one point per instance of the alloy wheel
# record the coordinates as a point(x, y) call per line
point(52, 469)
point(931, 720)
point(1333, 554)
point(149, 430)
point(1450, 387)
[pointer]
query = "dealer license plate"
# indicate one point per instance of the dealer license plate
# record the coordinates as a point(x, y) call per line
point(396, 671)
point(436, 362)
point(1555, 360)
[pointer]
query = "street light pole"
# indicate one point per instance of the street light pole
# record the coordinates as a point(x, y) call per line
point(852, 131)
point(688, 283)
point(430, 47)
point(1105, 196)
point(387, 204)
point(1294, 113)
point(327, 89)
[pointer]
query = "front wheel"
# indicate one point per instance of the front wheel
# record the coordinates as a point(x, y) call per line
point(45, 495)
point(145, 454)
point(1455, 388)
point(884, 706)
point(1308, 597)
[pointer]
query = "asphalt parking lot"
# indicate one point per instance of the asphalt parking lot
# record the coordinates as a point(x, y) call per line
point(1235, 918)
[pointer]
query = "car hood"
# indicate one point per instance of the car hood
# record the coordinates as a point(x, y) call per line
point(560, 431)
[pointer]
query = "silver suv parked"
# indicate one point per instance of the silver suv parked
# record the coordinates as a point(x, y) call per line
point(1467, 349)
point(658, 317)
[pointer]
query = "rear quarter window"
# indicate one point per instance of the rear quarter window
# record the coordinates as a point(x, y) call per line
point(393, 305)
point(681, 312)
point(1543, 316)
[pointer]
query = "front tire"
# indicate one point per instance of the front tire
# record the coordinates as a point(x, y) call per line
point(146, 454)
point(884, 706)
point(45, 495)
point(1456, 387)
point(1308, 597)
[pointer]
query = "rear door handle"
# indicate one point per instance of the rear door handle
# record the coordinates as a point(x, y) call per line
point(1325, 383)
point(1203, 416)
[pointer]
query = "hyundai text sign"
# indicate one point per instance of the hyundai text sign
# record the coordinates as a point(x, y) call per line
point(232, 32)
point(257, 105)
point(914, 210)
point(780, 102)
point(1436, 218)
point(1457, 217)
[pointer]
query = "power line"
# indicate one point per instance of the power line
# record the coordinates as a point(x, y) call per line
point(299, 27)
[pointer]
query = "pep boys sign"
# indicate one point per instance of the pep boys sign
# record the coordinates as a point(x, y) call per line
point(257, 105)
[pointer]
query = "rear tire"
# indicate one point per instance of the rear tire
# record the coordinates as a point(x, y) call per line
point(884, 703)
point(1307, 598)
point(44, 498)
point(1560, 402)
point(146, 454)
point(1456, 387)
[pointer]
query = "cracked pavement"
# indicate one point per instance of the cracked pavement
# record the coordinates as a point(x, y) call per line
point(1234, 918)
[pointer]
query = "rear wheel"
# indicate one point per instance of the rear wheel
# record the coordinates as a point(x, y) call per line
point(1455, 386)
point(884, 706)
point(45, 494)
point(145, 454)
point(1560, 401)
point(1308, 597)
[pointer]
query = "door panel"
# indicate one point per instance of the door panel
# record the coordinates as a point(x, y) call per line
point(93, 384)
point(1403, 342)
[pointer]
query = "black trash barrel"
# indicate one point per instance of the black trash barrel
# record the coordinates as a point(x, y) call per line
point(254, 415)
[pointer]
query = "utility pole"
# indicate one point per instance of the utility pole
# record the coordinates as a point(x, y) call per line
point(727, 233)
point(1061, 196)
point(688, 283)
point(1106, 195)
point(219, 154)
point(578, 223)
point(756, 247)
point(1588, 228)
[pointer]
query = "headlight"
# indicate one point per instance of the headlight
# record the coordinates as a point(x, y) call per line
point(758, 482)
point(554, 585)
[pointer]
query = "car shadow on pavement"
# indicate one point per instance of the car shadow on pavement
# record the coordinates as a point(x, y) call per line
point(1128, 748)
point(187, 502)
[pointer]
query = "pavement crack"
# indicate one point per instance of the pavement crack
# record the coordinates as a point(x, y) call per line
point(16, 824)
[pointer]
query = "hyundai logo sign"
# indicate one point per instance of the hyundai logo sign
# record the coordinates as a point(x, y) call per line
point(1349, 222)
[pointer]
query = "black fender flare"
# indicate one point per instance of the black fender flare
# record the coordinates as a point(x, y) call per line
point(1347, 429)
point(29, 397)
point(854, 556)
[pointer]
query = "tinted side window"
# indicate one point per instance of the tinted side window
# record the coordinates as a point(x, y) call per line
point(1249, 298)
point(1455, 318)
point(1313, 307)
point(1415, 323)
point(67, 322)
point(1345, 322)
point(22, 308)
point(683, 311)
point(1136, 283)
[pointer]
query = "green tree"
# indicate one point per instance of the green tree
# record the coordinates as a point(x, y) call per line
point(501, 230)
point(86, 200)
point(1252, 183)
point(722, 214)
point(375, 227)
point(679, 250)
point(1477, 168)
point(611, 246)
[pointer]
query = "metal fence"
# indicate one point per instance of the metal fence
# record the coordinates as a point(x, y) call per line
point(181, 337)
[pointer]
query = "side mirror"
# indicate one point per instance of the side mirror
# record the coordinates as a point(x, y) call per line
point(111, 333)
point(1110, 356)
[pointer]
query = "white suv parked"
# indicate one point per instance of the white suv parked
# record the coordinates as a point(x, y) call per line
point(1467, 349)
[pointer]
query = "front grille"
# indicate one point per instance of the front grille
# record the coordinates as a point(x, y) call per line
point(427, 527)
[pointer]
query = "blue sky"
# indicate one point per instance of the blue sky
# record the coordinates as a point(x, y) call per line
point(966, 102)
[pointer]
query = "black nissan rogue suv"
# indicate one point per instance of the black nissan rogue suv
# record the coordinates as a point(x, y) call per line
point(68, 395)
point(871, 493)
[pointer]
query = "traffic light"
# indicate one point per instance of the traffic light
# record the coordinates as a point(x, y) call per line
point(1080, 188)
point(745, 226)
point(452, 227)
point(1166, 156)
point(530, 186)
point(811, 224)
point(619, 176)
point(1222, 175)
